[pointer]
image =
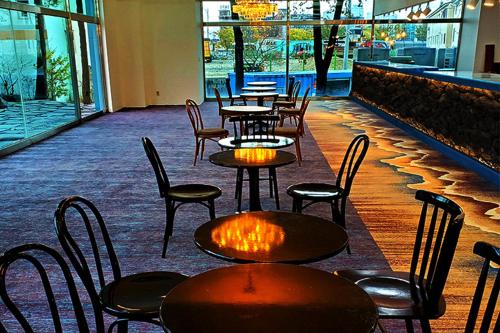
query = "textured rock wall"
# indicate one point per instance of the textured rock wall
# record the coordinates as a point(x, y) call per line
point(465, 118)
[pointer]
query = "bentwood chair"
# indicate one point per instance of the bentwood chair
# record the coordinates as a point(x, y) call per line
point(176, 196)
point(36, 255)
point(490, 254)
point(223, 114)
point(135, 297)
point(256, 128)
point(334, 194)
point(293, 113)
point(233, 98)
point(200, 132)
point(417, 294)
point(292, 102)
point(297, 131)
point(289, 90)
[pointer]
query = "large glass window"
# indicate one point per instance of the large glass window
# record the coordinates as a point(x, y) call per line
point(47, 79)
point(317, 41)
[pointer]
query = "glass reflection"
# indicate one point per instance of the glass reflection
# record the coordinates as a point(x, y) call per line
point(255, 155)
point(248, 234)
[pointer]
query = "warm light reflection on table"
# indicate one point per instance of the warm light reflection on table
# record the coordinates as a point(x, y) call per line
point(255, 155)
point(248, 234)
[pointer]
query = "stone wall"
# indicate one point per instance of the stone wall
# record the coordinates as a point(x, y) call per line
point(465, 118)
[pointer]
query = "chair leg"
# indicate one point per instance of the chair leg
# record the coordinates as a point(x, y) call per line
point(297, 149)
point(223, 120)
point(211, 208)
point(196, 151)
point(409, 325)
point(275, 184)
point(271, 183)
point(298, 205)
point(202, 148)
point(381, 327)
point(232, 101)
point(426, 326)
point(169, 226)
point(121, 324)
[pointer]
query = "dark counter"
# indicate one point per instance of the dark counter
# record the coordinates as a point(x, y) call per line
point(456, 110)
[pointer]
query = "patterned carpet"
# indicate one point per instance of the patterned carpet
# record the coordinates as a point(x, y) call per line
point(396, 165)
point(103, 160)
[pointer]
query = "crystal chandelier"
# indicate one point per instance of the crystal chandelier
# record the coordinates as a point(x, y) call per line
point(254, 10)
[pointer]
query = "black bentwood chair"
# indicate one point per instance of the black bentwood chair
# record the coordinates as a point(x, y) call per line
point(257, 128)
point(490, 254)
point(181, 194)
point(335, 194)
point(408, 295)
point(233, 98)
point(33, 253)
point(135, 297)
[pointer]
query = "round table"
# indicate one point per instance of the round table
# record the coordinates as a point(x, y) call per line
point(246, 109)
point(258, 89)
point(271, 237)
point(253, 159)
point(256, 141)
point(260, 96)
point(257, 298)
point(262, 83)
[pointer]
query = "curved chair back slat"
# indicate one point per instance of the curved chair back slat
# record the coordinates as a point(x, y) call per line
point(74, 251)
point(291, 83)
point(219, 100)
point(490, 254)
point(438, 230)
point(154, 159)
point(228, 88)
point(194, 115)
point(30, 253)
point(254, 125)
point(296, 90)
point(353, 158)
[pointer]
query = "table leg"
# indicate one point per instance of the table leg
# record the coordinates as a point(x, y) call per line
point(260, 101)
point(253, 175)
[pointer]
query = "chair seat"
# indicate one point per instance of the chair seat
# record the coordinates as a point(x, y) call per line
point(289, 112)
point(392, 294)
point(314, 191)
point(289, 132)
point(194, 192)
point(139, 294)
point(283, 104)
point(209, 132)
point(283, 96)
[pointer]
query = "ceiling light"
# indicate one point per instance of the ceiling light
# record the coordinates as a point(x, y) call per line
point(410, 16)
point(417, 14)
point(426, 11)
point(489, 3)
point(255, 10)
point(472, 4)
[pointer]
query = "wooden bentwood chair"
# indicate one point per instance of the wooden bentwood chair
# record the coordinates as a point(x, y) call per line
point(200, 132)
point(490, 254)
point(33, 253)
point(298, 131)
point(256, 128)
point(417, 294)
point(291, 102)
point(135, 297)
point(179, 194)
point(234, 99)
point(289, 90)
point(335, 194)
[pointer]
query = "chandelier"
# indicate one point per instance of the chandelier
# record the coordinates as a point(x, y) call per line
point(254, 10)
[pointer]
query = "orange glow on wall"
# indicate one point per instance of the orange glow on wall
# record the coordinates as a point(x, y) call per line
point(255, 155)
point(248, 234)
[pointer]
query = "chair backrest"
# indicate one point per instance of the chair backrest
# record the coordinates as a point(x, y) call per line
point(438, 229)
point(296, 90)
point(154, 159)
point(254, 125)
point(194, 115)
point(85, 211)
point(303, 108)
point(352, 161)
point(219, 99)
point(291, 82)
point(491, 254)
point(228, 88)
point(33, 253)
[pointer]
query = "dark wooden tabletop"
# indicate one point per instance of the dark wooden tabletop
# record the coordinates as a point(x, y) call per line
point(256, 298)
point(258, 89)
point(259, 94)
point(252, 158)
point(247, 109)
point(271, 237)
